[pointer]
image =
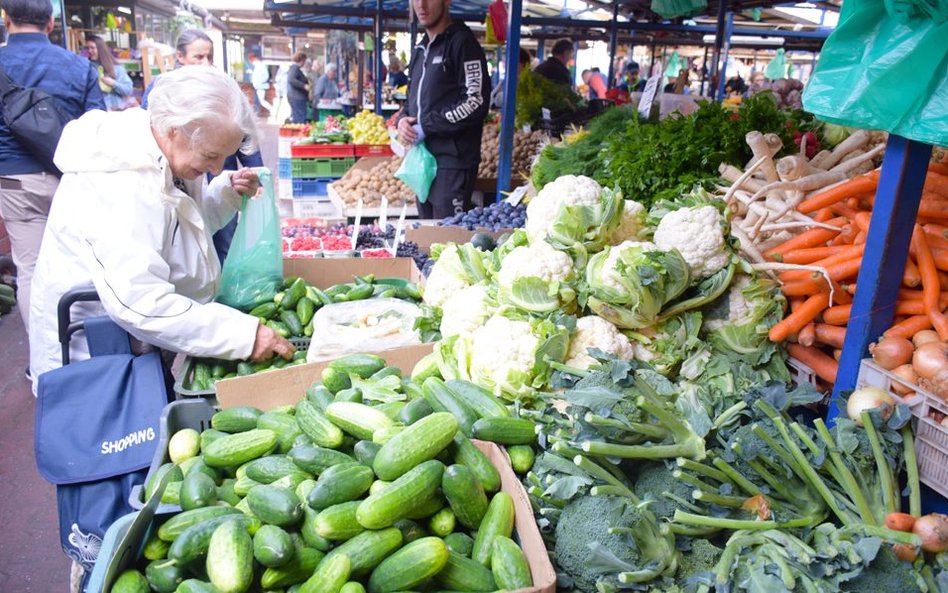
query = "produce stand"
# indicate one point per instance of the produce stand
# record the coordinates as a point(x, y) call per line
point(349, 207)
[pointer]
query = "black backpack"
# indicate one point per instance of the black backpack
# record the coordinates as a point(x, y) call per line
point(33, 118)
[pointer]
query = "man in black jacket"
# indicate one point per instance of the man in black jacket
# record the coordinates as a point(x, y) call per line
point(556, 67)
point(448, 96)
point(297, 89)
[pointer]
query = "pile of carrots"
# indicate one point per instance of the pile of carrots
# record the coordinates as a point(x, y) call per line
point(815, 327)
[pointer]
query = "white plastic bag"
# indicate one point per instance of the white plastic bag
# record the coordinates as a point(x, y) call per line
point(371, 325)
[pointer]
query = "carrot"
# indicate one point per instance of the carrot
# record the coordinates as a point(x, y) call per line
point(862, 220)
point(937, 229)
point(910, 275)
point(799, 318)
point(812, 254)
point(844, 209)
point(860, 238)
point(824, 366)
point(807, 335)
point(909, 327)
point(837, 315)
point(931, 285)
point(899, 521)
point(940, 168)
point(810, 238)
point(935, 240)
point(800, 288)
point(940, 256)
point(855, 186)
point(843, 254)
point(823, 215)
point(913, 307)
point(841, 295)
point(830, 335)
point(845, 237)
point(932, 207)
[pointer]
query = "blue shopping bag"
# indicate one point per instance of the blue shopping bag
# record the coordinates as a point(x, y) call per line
point(96, 433)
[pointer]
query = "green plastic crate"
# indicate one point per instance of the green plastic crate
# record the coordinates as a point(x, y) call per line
point(321, 167)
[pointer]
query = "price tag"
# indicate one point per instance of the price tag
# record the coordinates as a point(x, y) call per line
point(545, 113)
point(516, 196)
point(648, 95)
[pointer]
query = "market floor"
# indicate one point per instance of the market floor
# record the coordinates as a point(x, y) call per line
point(31, 559)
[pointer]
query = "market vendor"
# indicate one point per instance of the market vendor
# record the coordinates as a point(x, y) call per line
point(133, 218)
point(448, 99)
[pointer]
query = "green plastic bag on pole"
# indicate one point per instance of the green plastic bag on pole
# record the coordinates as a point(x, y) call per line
point(418, 170)
point(777, 68)
point(670, 9)
point(884, 68)
point(253, 270)
point(674, 65)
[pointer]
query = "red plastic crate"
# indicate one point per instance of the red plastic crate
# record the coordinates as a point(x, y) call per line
point(293, 132)
point(303, 151)
point(373, 150)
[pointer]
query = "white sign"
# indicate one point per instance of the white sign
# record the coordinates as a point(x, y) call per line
point(648, 95)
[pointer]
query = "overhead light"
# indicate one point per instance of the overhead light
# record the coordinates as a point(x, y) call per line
point(748, 40)
point(124, 9)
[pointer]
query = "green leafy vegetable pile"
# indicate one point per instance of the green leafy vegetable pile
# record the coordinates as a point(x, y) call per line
point(536, 92)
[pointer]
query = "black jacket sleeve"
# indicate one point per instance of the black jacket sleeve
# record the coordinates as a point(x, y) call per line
point(468, 58)
point(297, 79)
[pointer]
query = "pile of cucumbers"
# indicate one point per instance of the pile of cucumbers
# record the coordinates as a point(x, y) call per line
point(290, 314)
point(354, 489)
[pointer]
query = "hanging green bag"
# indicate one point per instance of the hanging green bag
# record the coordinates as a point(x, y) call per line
point(418, 170)
point(777, 68)
point(884, 68)
point(670, 9)
point(253, 270)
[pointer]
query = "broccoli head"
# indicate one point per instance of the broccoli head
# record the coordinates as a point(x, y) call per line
point(886, 573)
point(654, 483)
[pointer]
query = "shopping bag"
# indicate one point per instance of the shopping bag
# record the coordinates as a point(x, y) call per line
point(96, 432)
point(497, 12)
point(670, 9)
point(418, 170)
point(883, 68)
point(777, 67)
point(253, 270)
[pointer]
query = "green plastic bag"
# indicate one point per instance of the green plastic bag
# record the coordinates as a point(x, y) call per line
point(884, 68)
point(675, 64)
point(418, 170)
point(670, 9)
point(253, 270)
point(777, 68)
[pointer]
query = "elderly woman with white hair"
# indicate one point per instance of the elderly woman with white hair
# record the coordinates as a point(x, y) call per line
point(133, 218)
point(327, 86)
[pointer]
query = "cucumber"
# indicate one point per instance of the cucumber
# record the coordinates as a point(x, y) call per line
point(230, 558)
point(506, 431)
point(442, 399)
point(270, 468)
point(417, 443)
point(509, 565)
point(386, 372)
point(153, 480)
point(339, 522)
point(459, 543)
point(340, 483)
point(335, 380)
point(414, 411)
point(226, 493)
point(194, 586)
point(463, 574)
point(483, 402)
point(369, 548)
point(276, 506)
point(243, 485)
point(194, 541)
point(272, 546)
point(197, 490)
point(350, 394)
point(398, 500)
point(239, 419)
point(465, 495)
point(443, 522)
point(317, 426)
point(319, 395)
point(499, 520)
point(291, 480)
point(352, 587)
point(294, 293)
point(359, 420)
point(210, 435)
point(131, 581)
point(155, 548)
point(264, 311)
point(409, 566)
point(197, 464)
point(280, 328)
point(363, 365)
point(163, 576)
point(466, 453)
point(411, 530)
point(384, 435)
point(176, 525)
point(297, 570)
point(365, 452)
point(425, 368)
point(521, 458)
point(427, 508)
point(377, 486)
point(292, 322)
point(184, 444)
point(303, 488)
point(330, 576)
point(316, 460)
point(172, 493)
point(391, 409)
point(309, 533)
point(236, 449)
point(305, 310)
point(284, 425)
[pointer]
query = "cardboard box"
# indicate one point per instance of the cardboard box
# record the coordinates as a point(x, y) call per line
point(287, 386)
point(427, 235)
point(326, 272)
point(364, 164)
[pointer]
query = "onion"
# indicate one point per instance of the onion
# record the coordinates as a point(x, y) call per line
point(933, 530)
point(889, 353)
point(931, 363)
point(907, 373)
point(925, 336)
point(905, 552)
point(869, 398)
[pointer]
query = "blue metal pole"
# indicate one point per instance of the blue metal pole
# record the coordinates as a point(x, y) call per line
point(887, 245)
point(704, 71)
point(722, 72)
point(541, 45)
point(613, 44)
point(505, 161)
point(378, 57)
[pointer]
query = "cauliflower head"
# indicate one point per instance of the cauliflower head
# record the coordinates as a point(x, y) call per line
point(632, 225)
point(503, 352)
point(538, 259)
point(568, 190)
point(698, 234)
point(465, 310)
point(740, 311)
point(595, 332)
point(457, 267)
point(611, 274)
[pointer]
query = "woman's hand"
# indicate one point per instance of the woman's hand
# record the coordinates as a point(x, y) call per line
point(269, 343)
point(245, 182)
point(406, 134)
